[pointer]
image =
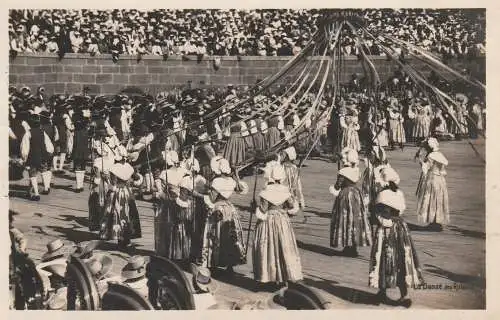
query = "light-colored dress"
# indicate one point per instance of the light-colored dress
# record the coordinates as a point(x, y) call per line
point(432, 198)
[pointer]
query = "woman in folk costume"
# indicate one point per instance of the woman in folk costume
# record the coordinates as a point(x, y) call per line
point(371, 182)
point(427, 147)
point(196, 192)
point(432, 201)
point(64, 126)
point(292, 177)
point(139, 150)
point(422, 121)
point(121, 218)
point(273, 132)
point(396, 124)
point(411, 120)
point(248, 138)
point(438, 126)
point(204, 152)
point(235, 149)
point(36, 150)
point(394, 261)
point(349, 227)
point(461, 117)
point(223, 244)
point(350, 127)
point(477, 127)
point(263, 130)
point(168, 227)
point(275, 253)
point(81, 151)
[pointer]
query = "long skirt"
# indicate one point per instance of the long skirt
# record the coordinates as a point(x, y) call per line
point(275, 253)
point(259, 142)
point(421, 127)
point(223, 243)
point(350, 139)
point(421, 181)
point(235, 150)
point(199, 220)
point(350, 224)
point(432, 201)
point(393, 259)
point(96, 207)
point(382, 137)
point(249, 146)
point(121, 219)
point(273, 137)
point(397, 131)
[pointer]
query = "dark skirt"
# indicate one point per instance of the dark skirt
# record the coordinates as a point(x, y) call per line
point(96, 208)
point(176, 232)
point(81, 150)
point(38, 155)
point(273, 137)
point(62, 143)
point(199, 220)
point(235, 150)
point(259, 142)
point(250, 147)
point(394, 261)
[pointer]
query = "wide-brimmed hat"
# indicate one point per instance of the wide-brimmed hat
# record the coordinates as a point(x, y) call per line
point(135, 268)
point(350, 173)
point(55, 249)
point(202, 279)
point(438, 157)
point(100, 266)
point(224, 186)
point(58, 269)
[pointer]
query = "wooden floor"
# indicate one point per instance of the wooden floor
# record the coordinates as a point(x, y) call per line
point(454, 257)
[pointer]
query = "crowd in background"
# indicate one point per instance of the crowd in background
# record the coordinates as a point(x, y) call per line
point(282, 32)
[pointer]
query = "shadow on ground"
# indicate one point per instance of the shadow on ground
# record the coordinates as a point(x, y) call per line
point(348, 294)
point(467, 280)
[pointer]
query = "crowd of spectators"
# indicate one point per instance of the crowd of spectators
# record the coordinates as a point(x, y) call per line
point(282, 32)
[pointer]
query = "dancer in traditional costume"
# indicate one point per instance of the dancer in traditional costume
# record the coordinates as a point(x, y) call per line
point(121, 218)
point(292, 177)
point(275, 253)
point(81, 150)
point(139, 150)
point(427, 146)
point(394, 261)
point(273, 132)
point(349, 227)
point(422, 122)
point(64, 127)
point(350, 127)
point(235, 149)
point(396, 124)
point(223, 244)
point(36, 150)
point(432, 201)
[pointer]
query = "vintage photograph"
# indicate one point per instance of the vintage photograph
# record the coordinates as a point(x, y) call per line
point(247, 159)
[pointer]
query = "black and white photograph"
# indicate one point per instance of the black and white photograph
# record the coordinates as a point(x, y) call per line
point(247, 159)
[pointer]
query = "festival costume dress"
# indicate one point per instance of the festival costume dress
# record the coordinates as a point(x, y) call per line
point(223, 244)
point(235, 149)
point(81, 150)
point(422, 122)
point(393, 258)
point(293, 182)
point(350, 136)
point(432, 198)
point(276, 256)
point(121, 219)
point(349, 224)
point(398, 134)
point(273, 136)
point(370, 186)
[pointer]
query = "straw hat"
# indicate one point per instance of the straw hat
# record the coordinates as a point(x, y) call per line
point(100, 266)
point(392, 199)
point(350, 173)
point(54, 250)
point(58, 269)
point(202, 278)
point(134, 269)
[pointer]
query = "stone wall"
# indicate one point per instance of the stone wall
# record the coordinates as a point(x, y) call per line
point(102, 76)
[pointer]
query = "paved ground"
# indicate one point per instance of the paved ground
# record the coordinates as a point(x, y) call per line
point(454, 257)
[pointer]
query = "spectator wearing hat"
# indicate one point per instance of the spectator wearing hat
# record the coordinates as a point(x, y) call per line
point(432, 198)
point(223, 244)
point(134, 275)
point(121, 218)
point(36, 152)
point(100, 267)
point(204, 288)
point(350, 227)
point(276, 256)
point(394, 261)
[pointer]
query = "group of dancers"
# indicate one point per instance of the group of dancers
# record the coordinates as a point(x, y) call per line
point(138, 150)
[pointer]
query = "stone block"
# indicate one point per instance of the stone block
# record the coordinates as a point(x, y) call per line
point(104, 78)
point(120, 78)
point(84, 78)
point(73, 69)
